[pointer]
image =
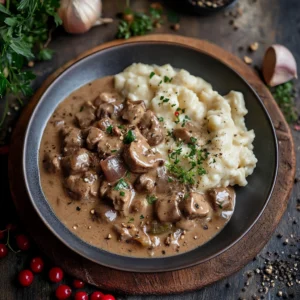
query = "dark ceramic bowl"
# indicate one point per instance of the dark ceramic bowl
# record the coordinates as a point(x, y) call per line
point(187, 6)
point(251, 200)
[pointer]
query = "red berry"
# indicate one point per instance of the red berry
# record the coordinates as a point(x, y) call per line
point(2, 235)
point(97, 296)
point(56, 274)
point(108, 297)
point(63, 292)
point(37, 265)
point(3, 250)
point(78, 284)
point(23, 242)
point(81, 296)
point(25, 277)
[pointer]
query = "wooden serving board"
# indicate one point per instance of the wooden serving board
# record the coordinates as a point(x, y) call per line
point(169, 282)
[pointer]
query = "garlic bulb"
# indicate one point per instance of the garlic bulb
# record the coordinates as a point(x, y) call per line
point(79, 16)
point(279, 65)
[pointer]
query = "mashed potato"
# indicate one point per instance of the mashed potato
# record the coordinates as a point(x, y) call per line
point(178, 98)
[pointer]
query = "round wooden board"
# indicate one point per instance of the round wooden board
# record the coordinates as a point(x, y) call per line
point(169, 282)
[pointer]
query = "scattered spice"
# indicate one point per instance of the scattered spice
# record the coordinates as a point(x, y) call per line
point(210, 3)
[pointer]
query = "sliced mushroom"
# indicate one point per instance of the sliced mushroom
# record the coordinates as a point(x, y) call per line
point(150, 128)
point(139, 156)
point(195, 206)
point(145, 182)
point(113, 168)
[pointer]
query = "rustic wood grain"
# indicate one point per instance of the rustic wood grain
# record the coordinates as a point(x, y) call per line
point(170, 282)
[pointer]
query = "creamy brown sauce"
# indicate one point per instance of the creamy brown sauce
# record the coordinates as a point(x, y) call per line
point(156, 229)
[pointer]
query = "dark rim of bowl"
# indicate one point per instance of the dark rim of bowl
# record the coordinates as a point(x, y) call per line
point(211, 10)
point(25, 146)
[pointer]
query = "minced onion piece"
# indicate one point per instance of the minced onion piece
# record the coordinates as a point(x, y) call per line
point(113, 168)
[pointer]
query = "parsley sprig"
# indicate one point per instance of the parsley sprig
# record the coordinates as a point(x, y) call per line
point(196, 157)
point(285, 97)
point(24, 36)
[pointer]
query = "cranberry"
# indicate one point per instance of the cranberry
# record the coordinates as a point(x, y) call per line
point(56, 274)
point(78, 284)
point(25, 277)
point(3, 250)
point(23, 242)
point(97, 296)
point(2, 235)
point(37, 265)
point(81, 296)
point(108, 297)
point(63, 292)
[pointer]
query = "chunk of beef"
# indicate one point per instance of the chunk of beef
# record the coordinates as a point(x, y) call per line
point(183, 134)
point(109, 110)
point(131, 233)
point(76, 163)
point(133, 111)
point(52, 162)
point(83, 186)
point(145, 183)
point(167, 209)
point(106, 98)
point(222, 198)
point(104, 123)
point(120, 198)
point(95, 162)
point(195, 206)
point(72, 139)
point(139, 156)
point(150, 128)
point(109, 145)
point(86, 115)
point(93, 137)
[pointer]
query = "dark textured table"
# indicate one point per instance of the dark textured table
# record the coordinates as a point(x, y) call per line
point(262, 21)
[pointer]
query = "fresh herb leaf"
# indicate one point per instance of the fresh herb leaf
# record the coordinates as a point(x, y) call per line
point(160, 119)
point(142, 217)
point(129, 138)
point(122, 194)
point(131, 220)
point(109, 129)
point(167, 79)
point(285, 97)
point(121, 184)
point(151, 199)
point(151, 75)
point(45, 54)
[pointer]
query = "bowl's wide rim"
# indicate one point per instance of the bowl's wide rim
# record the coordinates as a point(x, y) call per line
point(132, 43)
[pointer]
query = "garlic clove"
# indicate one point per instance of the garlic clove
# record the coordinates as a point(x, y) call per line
point(79, 16)
point(279, 65)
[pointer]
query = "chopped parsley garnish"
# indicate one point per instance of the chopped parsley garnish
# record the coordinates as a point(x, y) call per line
point(220, 206)
point(167, 79)
point(170, 179)
point(173, 105)
point(129, 138)
point(160, 82)
point(131, 220)
point(113, 151)
point(166, 100)
point(142, 217)
point(122, 194)
point(160, 119)
point(121, 126)
point(151, 75)
point(195, 157)
point(151, 199)
point(121, 184)
point(109, 129)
